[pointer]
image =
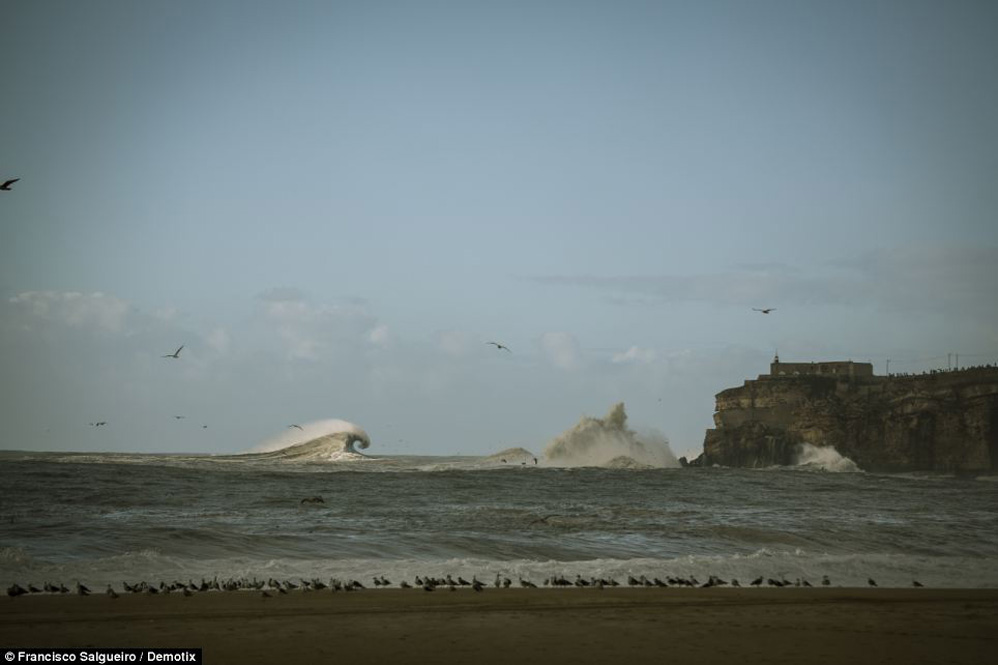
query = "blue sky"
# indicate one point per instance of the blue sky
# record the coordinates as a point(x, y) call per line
point(335, 205)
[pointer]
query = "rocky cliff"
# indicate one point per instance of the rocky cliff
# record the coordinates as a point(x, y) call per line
point(943, 421)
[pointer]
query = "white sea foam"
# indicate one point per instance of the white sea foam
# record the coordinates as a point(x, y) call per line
point(823, 458)
point(600, 441)
point(843, 570)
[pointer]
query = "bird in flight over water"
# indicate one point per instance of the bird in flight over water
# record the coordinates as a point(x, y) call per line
point(6, 186)
point(296, 426)
point(499, 346)
point(764, 311)
point(175, 354)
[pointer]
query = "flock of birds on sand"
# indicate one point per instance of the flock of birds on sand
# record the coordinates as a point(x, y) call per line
point(272, 587)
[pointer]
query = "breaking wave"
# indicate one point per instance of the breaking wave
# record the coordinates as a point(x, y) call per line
point(608, 442)
point(824, 458)
point(843, 569)
point(323, 440)
point(511, 456)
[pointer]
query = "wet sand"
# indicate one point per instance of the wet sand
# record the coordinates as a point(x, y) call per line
point(528, 626)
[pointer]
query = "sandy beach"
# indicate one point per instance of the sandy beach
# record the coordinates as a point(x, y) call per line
point(528, 626)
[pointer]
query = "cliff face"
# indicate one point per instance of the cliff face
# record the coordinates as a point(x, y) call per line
point(947, 421)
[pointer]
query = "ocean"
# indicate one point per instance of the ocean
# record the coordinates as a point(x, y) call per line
point(108, 518)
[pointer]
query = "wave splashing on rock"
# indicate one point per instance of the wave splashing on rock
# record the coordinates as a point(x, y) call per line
point(824, 458)
point(607, 441)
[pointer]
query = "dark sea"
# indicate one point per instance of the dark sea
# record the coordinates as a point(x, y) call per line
point(108, 518)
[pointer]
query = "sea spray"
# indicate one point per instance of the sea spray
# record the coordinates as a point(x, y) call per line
point(600, 441)
point(824, 458)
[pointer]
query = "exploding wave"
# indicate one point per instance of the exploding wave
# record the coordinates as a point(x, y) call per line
point(608, 442)
point(823, 458)
point(322, 440)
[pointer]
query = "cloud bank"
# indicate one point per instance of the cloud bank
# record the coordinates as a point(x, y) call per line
point(955, 279)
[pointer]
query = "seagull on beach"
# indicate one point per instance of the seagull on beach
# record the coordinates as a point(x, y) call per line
point(499, 346)
point(176, 354)
point(767, 310)
point(6, 186)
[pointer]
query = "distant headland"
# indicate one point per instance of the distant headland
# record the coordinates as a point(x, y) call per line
point(941, 420)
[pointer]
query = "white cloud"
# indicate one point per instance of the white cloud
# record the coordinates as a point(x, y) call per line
point(95, 311)
point(166, 313)
point(457, 343)
point(218, 339)
point(561, 349)
point(379, 335)
point(314, 332)
point(281, 294)
point(636, 355)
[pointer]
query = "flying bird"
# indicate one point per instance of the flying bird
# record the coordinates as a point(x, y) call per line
point(6, 186)
point(767, 310)
point(499, 346)
point(180, 417)
point(176, 354)
point(296, 426)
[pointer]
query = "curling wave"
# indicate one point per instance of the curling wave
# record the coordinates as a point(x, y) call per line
point(320, 441)
point(608, 442)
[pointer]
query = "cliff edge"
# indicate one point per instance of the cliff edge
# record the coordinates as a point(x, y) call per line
point(937, 421)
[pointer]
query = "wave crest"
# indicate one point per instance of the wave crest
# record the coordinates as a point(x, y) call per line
point(323, 440)
point(606, 442)
point(511, 456)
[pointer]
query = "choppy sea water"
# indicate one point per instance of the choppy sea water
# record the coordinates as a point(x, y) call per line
point(104, 518)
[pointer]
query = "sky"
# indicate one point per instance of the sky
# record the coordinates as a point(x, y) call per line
point(334, 206)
